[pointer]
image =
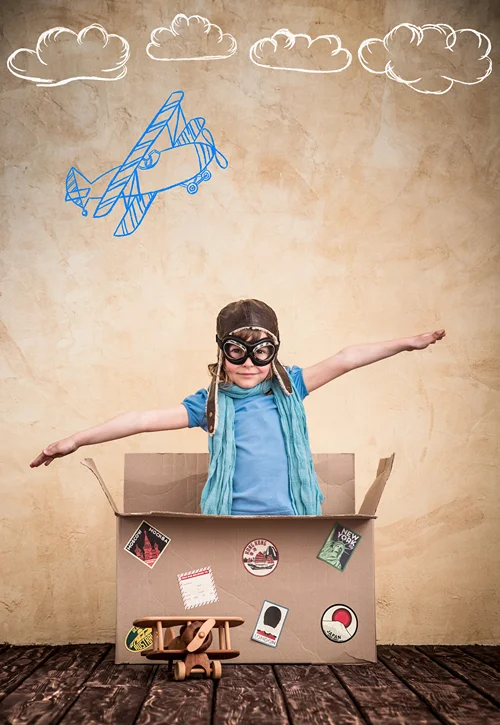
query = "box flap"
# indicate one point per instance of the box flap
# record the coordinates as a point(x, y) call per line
point(335, 472)
point(164, 481)
point(89, 463)
point(374, 493)
point(180, 515)
point(174, 481)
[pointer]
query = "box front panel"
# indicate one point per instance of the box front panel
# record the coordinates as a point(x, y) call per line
point(317, 610)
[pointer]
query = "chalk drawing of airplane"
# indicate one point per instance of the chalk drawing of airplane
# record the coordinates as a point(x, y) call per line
point(146, 171)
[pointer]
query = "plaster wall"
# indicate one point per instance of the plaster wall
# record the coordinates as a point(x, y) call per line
point(358, 208)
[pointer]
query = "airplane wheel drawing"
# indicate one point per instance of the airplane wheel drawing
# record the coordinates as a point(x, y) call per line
point(192, 188)
point(206, 176)
point(216, 670)
point(179, 671)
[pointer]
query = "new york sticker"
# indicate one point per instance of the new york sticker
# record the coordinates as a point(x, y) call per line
point(147, 544)
point(260, 557)
point(269, 624)
point(339, 623)
point(339, 546)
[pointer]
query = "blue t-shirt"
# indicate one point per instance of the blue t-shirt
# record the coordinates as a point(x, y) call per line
point(260, 482)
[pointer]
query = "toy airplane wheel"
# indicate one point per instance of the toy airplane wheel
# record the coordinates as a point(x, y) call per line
point(179, 671)
point(216, 670)
point(192, 188)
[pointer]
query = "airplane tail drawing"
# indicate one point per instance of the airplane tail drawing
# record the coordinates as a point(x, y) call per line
point(77, 189)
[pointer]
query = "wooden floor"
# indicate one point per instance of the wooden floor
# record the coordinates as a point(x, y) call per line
point(81, 684)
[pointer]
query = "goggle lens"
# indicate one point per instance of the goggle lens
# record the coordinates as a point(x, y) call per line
point(234, 351)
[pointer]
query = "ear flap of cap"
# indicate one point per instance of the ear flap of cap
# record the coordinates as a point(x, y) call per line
point(212, 393)
point(283, 376)
point(212, 399)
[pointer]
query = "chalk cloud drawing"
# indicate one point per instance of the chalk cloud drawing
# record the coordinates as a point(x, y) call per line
point(134, 185)
point(421, 68)
point(191, 38)
point(299, 52)
point(62, 56)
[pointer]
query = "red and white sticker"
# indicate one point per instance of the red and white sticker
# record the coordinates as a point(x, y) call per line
point(197, 588)
point(260, 557)
point(339, 623)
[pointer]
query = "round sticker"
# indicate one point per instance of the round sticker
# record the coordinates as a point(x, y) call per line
point(138, 639)
point(260, 557)
point(339, 623)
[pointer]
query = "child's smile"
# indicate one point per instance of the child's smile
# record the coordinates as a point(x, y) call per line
point(247, 375)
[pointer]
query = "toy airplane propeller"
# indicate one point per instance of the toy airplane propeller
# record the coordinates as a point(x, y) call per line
point(192, 149)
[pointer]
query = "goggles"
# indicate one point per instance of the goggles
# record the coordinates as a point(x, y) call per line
point(237, 350)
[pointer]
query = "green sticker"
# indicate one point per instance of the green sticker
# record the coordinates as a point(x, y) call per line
point(139, 639)
point(339, 546)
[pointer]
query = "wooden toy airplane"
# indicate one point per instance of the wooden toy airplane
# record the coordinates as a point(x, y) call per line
point(191, 646)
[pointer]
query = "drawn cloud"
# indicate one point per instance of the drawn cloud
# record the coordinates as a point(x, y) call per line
point(191, 38)
point(446, 57)
point(57, 59)
point(299, 52)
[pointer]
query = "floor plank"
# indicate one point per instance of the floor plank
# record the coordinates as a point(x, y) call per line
point(381, 696)
point(314, 695)
point(489, 655)
point(249, 694)
point(81, 685)
point(52, 688)
point(451, 699)
point(18, 663)
point(482, 677)
point(169, 702)
point(112, 694)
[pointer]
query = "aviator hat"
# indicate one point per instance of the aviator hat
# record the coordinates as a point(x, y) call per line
point(244, 315)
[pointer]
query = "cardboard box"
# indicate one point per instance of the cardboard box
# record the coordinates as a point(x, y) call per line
point(321, 605)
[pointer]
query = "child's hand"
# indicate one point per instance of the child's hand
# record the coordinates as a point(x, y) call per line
point(420, 342)
point(55, 450)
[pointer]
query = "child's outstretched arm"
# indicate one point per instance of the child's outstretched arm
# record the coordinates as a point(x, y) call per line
point(356, 356)
point(126, 424)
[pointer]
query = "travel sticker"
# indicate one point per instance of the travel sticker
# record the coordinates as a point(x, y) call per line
point(339, 623)
point(147, 544)
point(197, 588)
point(339, 546)
point(269, 624)
point(138, 639)
point(260, 557)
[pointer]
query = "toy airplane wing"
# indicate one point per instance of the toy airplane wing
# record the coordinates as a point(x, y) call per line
point(171, 109)
point(136, 207)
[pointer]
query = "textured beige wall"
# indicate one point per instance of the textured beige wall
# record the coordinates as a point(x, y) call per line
point(360, 209)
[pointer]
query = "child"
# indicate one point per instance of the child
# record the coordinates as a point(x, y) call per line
point(260, 459)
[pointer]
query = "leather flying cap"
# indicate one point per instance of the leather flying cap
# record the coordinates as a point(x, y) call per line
point(250, 315)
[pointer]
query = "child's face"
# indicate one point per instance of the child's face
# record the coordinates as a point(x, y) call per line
point(247, 375)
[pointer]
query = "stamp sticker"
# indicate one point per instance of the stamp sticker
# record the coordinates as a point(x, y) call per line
point(269, 624)
point(339, 546)
point(260, 557)
point(197, 588)
point(339, 623)
point(147, 544)
point(138, 639)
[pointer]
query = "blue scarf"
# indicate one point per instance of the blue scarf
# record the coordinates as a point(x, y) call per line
point(305, 493)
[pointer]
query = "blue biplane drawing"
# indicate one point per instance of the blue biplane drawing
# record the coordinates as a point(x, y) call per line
point(132, 184)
